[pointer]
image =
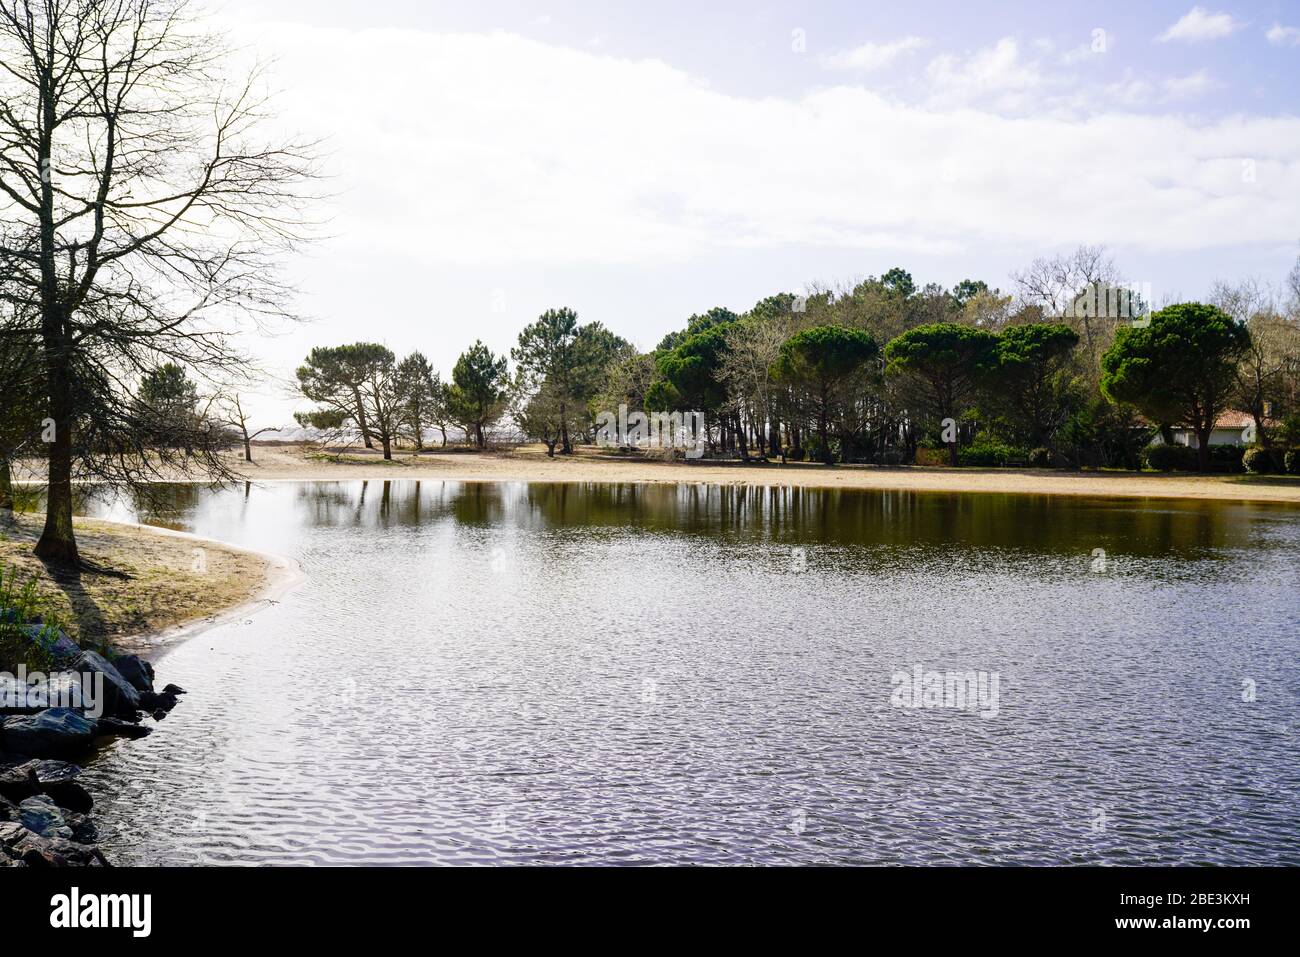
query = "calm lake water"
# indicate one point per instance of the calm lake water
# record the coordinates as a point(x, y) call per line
point(492, 673)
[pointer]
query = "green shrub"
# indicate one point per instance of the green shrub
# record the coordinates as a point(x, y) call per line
point(796, 454)
point(1292, 461)
point(1169, 458)
point(1257, 460)
point(1226, 458)
point(988, 453)
point(21, 604)
point(1040, 458)
point(1291, 429)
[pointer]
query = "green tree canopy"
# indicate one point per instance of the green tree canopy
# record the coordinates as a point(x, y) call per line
point(898, 282)
point(951, 361)
point(477, 396)
point(1180, 368)
point(700, 322)
point(1032, 381)
point(966, 290)
point(569, 360)
point(694, 371)
point(168, 387)
point(822, 363)
point(334, 377)
point(419, 396)
point(168, 405)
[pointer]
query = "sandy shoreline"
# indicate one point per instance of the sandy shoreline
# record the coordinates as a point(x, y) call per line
point(278, 575)
point(163, 586)
point(281, 463)
point(277, 463)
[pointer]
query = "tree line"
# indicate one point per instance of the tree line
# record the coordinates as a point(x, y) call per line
point(874, 372)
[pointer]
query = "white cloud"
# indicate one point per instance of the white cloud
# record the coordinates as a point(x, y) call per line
point(873, 56)
point(1199, 24)
point(994, 74)
point(497, 150)
point(1131, 91)
point(1281, 36)
point(1186, 87)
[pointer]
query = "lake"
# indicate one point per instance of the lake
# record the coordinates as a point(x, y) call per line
point(622, 674)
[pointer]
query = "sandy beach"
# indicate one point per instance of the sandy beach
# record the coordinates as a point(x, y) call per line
point(147, 586)
point(530, 464)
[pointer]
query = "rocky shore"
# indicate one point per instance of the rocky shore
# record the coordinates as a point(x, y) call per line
point(45, 813)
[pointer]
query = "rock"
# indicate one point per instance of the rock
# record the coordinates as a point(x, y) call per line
point(158, 702)
point(8, 810)
point(122, 729)
point(55, 643)
point(37, 851)
point(40, 690)
point(159, 714)
point(71, 796)
point(16, 785)
point(42, 816)
point(11, 832)
point(53, 733)
point(16, 697)
point(49, 771)
point(58, 780)
point(135, 670)
point(120, 696)
point(83, 828)
point(174, 690)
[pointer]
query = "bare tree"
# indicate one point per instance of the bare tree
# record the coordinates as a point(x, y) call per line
point(143, 216)
point(232, 408)
point(1274, 347)
point(1052, 284)
point(753, 347)
point(1293, 289)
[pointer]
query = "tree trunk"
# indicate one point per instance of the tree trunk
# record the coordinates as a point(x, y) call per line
point(741, 439)
point(1260, 435)
point(6, 487)
point(1203, 448)
point(566, 448)
point(388, 447)
point(443, 430)
point(361, 419)
point(58, 543)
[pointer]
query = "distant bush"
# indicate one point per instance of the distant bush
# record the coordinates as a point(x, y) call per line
point(1040, 458)
point(1226, 458)
point(1292, 461)
point(1291, 429)
point(989, 454)
point(796, 455)
point(1258, 460)
point(891, 457)
point(1169, 458)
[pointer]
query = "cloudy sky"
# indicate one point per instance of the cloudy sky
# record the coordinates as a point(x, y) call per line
point(641, 162)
